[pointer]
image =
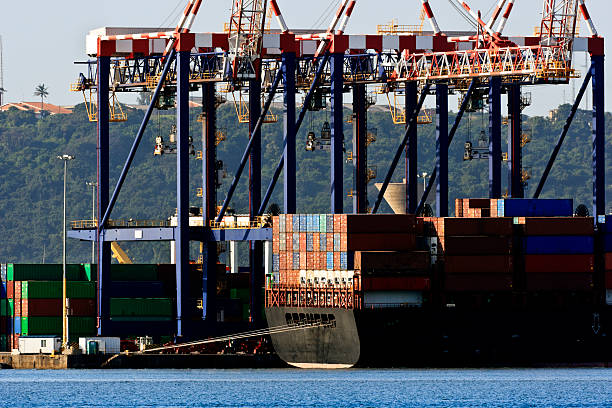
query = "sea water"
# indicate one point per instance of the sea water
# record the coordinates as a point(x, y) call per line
point(305, 388)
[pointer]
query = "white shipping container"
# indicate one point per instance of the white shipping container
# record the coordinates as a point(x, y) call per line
point(39, 344)
point(106, 345)
point(392, 298)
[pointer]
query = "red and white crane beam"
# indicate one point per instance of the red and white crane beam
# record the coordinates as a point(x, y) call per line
point(504, 19)
point(430, 17)
point(587, 18)
point(279, 16)
point(498, 8)
point(478, 20)
point(330, 30)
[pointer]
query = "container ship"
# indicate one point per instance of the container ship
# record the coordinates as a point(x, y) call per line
point(505, 282)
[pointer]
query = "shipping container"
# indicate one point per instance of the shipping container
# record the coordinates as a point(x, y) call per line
point(481, 264)
point(141, 307)
point(39, 344)
point(556, 225)
point(53, 325)
point(559, 263)
point(374, 299)
point(474, 245)
point(381, 242)
point(471, 226)
point(478, 282)
point(155, 289)
point(570, 244)
point(3, 290)
point(394, 283)
point(526, 207)
point(379, 223)
point(53, 307)
point(134, 272)
point(104, 345)
point(45, 272)
point(53, 289)
point(562, 282)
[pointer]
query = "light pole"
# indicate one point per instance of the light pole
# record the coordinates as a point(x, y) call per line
point(65, 158)
point(424, 175)
point(93, 186)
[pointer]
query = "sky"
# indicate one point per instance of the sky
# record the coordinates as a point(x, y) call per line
point(42, 39)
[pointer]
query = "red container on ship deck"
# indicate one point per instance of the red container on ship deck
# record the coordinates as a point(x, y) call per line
point(381, 242)
point(378, 262)
point(608, 262)
point(478, 283)
point(53, 307)
point(474, 245)
point(557, 225)
point(468, 264)
point(608, 279)
point(393, 283)
point(579, 263)
point(562, 281)
point(10, 289)
point(471, 226)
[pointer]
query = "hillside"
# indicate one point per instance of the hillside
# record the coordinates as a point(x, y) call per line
point(31, 183)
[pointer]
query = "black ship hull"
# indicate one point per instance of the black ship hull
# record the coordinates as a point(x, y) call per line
point(417, 337)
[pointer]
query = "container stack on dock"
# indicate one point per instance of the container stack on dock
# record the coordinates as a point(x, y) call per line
point(607, 238)
point(34, 301)
point(3, 310)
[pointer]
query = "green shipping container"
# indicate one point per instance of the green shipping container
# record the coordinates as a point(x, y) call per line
point(44, 272)
point(53, 290)
point(32, 326)
point(141, 307)
point(322, 223)
point(11, 308)
point(141, 318)
point(125, 272)
point(3, 342)
point(4, 307)
point(242, 294)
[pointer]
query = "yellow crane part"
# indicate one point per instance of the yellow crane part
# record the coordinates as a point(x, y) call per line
point(119, 254)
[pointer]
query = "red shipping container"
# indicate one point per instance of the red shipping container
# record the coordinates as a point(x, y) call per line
point(3, 324)
point(275, 246)
point(377, 223)
point(310, 261)
point(275, 225)
point(343, 242)
point(330, 241)
point(316, 242)
point(282, 261)
point(478, 283)
point(337, 261)
point(17, 290)
point(475, 245)
point(53, 307)
point(458, 207)
point(288, 222)
point(608, 279)
point(478, 202)
point(303, 261)
point(420, 227)
point(557, 225)
point(608, 262)
point(14, 341)
point(323, 260)
point(302, 242)
point(563, 281)
point(388, 262)
point(17, 305)
point(381, 242)
point(468, 264)
point(396, 283)
point(581, 263)
point(446, 227)
point(10, 289)
point(344, 223)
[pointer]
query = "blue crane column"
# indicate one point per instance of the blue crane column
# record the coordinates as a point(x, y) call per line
point(209, 201)
point(442, 149)
point(515, 168)
point(599, 169)
point(289, 130)
point(103, 146)
point(182, 188)
point(412, 200)
point(256, 247)
point(360, 151)
point(337, 134)
point(495, 156)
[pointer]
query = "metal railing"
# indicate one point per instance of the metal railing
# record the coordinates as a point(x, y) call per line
point(92, 224)
point(302, 296)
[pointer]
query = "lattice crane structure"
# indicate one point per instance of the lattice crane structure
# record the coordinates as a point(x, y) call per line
point(482, 63)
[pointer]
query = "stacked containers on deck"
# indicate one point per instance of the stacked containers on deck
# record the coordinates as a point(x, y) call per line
point(558, 253)
point(473, 254)
point(320, 249)
point(512, 207)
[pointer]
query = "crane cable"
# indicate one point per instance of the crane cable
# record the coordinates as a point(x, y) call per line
point(255, 333)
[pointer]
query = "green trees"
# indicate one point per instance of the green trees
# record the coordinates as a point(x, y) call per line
point(42, 91)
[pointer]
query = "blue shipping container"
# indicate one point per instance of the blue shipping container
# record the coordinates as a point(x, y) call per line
point(558, 245)
point(315, 223)
point(330, 261)
point(330, 223)
point(3, 290)
point(3, 272)
point(282, 223)
point(323, 242)
point(296, 223)
point(608, 242)
point(303, 223)
point(275, 263)
point(343, 261)
point(336, 242)
point(608, 226)
point(309, 242)
point(296, 260)
point(532, 207)
point(16, 329)
point(296, 241)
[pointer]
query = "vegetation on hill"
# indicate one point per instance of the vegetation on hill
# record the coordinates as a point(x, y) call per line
point(31, 182)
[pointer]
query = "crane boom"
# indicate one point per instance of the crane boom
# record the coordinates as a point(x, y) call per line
point(246, 30)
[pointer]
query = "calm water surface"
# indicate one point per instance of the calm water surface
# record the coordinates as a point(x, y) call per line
point(301, 388)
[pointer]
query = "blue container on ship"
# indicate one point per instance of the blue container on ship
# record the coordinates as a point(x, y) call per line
point(537, 207)
point(16, 329)
point(3, 290)
point(608, 242)
point(303, 223)
point(336, 242)
point(343, 261)
point(330, 223)
point(330, 261)
point(309, 242)
point(296, 260)
point(296, 241)
point(275, 263)
point(296, 223)
point(323, 242)
point(556, 245)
